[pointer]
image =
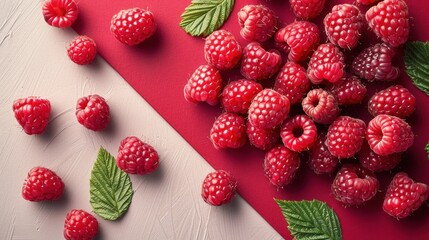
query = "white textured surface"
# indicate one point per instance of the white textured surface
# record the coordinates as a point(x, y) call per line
point(166, 204)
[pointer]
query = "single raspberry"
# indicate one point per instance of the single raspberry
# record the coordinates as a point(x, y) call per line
point(228, 131)
point(136, 157)
point(292, 82)
point(404, 196)
point(354, 185)
point(366, 2)
point(299, 133)
point(80, 225)
point(218, 188)
point(221, 50)
point(349, 90)
point(395, 101)
point(268, 109)
point(390, 21)
point(319, 157)
point(321, 106)
point(32, 113)
point(82, 50)
point(205, 85)
point(345, 136)
point(281, 165)
point(42, 184)
point(298, 40)
point(307, 9)
point(375, 63)
point(326, 63)
point(237, 95)
point(262, 138)
point(133, 26)
point(259, 64)
point(93, 112)
point(343, 25)
point(60, 13)
point(374, 162)
point(257, 23)
point(388, 134)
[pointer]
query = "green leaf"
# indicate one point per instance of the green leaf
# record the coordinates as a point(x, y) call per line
point(202, 17)
point(310, 220)
point(427, 149)
point(417, 64)
point(110, 190)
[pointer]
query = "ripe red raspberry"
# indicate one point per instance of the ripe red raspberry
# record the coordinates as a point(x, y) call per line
point(133, 26)
point(82, 50)
point(32, 113)
point(259, 64)
point(80, 225)
point(218, 188)
point(321, 106)
point(374, 162)
point(345, 136)
point(390, 21)
point(42, 184)
point(281, 165)
point(388, 134)
point(404, 196)
point(93, 112)
point(349, 90)
point(298, 40)
point(354, 185)
point(366, 2)
point(228, 131)
point(292, 82)
point(395, 101)
point(375, 63)
point(136, 157)
point(262, 138)
point(268, 109)
point(343, 25)
point(319, 157)
point(205, 85)
point(307, 9)
point(257, 23)
point(299, 133)
point(60, 13)
point(326, 63)
point(221, 50)
point(237, 95)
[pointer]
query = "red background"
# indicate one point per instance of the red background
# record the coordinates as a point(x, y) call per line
point(159, 68)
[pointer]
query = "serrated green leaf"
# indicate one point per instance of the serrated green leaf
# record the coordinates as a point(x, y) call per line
point(202, 17)
point(110, 189)
point(427, 149)
point(310, 220)
point(417, 64)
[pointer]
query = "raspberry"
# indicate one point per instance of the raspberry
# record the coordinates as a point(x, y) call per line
point(375, 63)
point(82, 50)
point(298, 40)
point(263, 138)
point(349, 90)
point(268, 109)
point(32, 113)
point(374, 162)
point(395, 101)
point(321, 106)
point(366, 2)
point(388, 134)
point(136, 157)
point(218, 188)
point(93, 112)
point(228, 131)
point(307, 9)
point(257, 23)
point(326, 63)
point(404, 196)
point(319, 157)
point(237, 95)
point(345, 136)
point(343, 25)
point(60, 13)
point(390, 21)
point(133, 26)
point(299, 133)
point(259, 64)
point(292, 82)
point(42, 184)
point(204, 85)
point(221, 50)
point(281, 165)
point(80, 225)
point(354, 185)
